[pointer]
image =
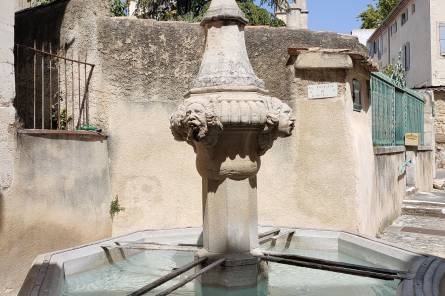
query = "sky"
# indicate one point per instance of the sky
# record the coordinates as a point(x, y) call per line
point(335, 15)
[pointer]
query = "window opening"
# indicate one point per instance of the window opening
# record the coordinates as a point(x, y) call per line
point(442, 38)
point(356, 95)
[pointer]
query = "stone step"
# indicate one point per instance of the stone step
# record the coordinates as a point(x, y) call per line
point(423, 203)
point(423, 210)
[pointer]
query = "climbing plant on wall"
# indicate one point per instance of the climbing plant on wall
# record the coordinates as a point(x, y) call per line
point(397, 72)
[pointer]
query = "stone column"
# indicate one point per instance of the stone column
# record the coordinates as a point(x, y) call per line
point(229, 193)
point(293, 17)
point(297, 15)
point(230, 121)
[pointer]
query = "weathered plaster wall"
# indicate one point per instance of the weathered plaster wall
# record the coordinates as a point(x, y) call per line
point(148, 66)
point(390, 186)
point(319, 187)
point(7, 93)
point(420, 173)
point(60, 197)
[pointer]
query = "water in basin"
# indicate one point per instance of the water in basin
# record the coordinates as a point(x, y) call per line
point(125, 276)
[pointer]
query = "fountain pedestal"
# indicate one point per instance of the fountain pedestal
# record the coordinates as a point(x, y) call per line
point(229, 195)
point(230, 121)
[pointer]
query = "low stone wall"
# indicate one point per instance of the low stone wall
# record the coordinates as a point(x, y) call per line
point(60, 197)
point(424, 170)
point(421, 170)
point(389, 188)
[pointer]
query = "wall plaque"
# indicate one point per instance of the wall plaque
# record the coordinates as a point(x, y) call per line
point(411, 139)
point(322, 91)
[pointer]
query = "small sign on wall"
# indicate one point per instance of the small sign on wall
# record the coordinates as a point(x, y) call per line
point(322, 91)
point(411, 139)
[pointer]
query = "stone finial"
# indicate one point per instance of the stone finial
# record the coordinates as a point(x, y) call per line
point(224, 10)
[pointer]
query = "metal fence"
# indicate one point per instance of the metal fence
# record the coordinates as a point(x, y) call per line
point(395, 112)
point(52, 90)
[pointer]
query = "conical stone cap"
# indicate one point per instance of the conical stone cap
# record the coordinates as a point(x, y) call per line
point(224, 10)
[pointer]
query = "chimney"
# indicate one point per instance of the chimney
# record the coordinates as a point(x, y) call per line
point(297, 15)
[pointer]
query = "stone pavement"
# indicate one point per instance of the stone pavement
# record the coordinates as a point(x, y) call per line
point(421, 228)
point(421, 234)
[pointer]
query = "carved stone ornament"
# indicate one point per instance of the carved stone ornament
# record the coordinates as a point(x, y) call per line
point(201, 119)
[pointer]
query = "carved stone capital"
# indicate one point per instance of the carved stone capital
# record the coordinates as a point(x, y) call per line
point(202, 118)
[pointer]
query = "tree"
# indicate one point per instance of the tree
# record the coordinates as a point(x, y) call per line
point(194, 10)
point(376, 13)
point(118, 7)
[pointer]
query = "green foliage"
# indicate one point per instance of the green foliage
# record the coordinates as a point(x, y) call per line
point(40, 2)
point(375, 13)
point(115, 207)
point(64, 119)
point(194, 10)
point(118, 7)
point(259, 16)
point(396, 72)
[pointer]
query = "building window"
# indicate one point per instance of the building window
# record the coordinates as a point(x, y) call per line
point(413, 8)
point(356, 95)
point(404, 17)
point(394, 28)
point(380, 44)
point(406, 54)
point(442, 38)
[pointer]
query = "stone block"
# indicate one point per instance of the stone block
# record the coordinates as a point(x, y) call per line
point(7, 118)
point(7, 12)
point(323, 60)
point(7, 86)
point(6, 36)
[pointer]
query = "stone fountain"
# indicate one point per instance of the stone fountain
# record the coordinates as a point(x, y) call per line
point(230, 121)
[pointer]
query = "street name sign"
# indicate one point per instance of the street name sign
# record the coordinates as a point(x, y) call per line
point(322, 91)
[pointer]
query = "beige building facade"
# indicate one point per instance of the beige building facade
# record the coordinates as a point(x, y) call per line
point(413, 31)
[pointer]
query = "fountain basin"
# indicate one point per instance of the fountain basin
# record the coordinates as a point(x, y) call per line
point(123, 264)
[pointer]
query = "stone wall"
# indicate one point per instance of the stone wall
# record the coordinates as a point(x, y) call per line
point(389, 188)
point(60, 198)
point(7, 93)
point(147, 67)
point(424, 171)
point(420, 173)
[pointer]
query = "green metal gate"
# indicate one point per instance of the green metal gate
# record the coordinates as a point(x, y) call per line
point(395, 112)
